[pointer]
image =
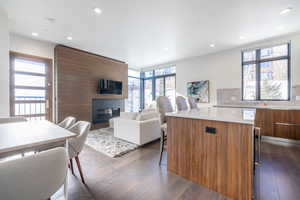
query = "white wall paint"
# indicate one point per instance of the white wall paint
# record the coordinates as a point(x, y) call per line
point(30, 46)
point(4, 65)
point(223, 69)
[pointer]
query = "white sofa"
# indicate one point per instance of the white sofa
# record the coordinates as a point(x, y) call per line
point(137, 128)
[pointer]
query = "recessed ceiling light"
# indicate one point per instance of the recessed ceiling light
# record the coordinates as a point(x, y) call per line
point(69, 38)
point(166, 49)
point(34, 34)
point(286, 11)
point(212, 45)
point(50, 19)
point(242, 37)
point(97, 11)
point(280, 28)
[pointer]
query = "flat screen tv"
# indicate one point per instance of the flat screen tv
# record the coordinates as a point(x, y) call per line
point(110, 87)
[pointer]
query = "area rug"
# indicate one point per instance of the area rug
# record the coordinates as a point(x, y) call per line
point(103, 140)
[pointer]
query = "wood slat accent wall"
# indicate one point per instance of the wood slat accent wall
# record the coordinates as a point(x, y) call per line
point(222, 162)
point(77, 76)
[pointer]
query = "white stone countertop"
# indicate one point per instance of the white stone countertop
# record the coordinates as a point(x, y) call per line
point(288, 107)
point(235, 115)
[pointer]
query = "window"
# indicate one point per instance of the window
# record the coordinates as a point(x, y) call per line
point(148, 92)
point(148, 74)
point(132, 104)
point(159, 82)
point(171, 88)
point(159, 87)
point(266, 73)
point(165, 71)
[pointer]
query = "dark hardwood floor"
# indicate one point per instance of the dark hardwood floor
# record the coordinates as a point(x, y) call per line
point(279, 175)
point(137, 176)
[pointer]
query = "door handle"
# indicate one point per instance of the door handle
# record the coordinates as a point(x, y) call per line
point(47, 104)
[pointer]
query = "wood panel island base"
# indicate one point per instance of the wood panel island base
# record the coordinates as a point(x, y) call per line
point(213, 148)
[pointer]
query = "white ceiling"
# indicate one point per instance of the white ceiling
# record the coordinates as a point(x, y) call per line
point(139, 31)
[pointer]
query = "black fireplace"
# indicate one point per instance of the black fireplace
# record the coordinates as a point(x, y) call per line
point(105, 109)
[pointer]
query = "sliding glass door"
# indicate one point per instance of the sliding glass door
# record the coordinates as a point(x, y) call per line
point(148, 92)
point(132, 104)
point(159, 82)
point(30, 87)
point(170, 88)
point(159, 87)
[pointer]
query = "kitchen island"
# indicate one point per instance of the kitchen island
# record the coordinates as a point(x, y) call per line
point(213, 147)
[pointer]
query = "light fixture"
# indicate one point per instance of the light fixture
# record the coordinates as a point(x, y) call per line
point(212, 45)
point(50, 19)
point(34, 34)
point(280, 28)
point(69, 38)
point(98, 11)
point(166, 49)
point(286, 11)
point(242, 37)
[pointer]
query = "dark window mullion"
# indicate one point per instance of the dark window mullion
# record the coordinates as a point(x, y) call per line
point(258, 72)
point(29, 87)
point(274, 59)
point(289, 71)
point(164, 86)
point(142, 93)
point(249, 62)
point(30, 73)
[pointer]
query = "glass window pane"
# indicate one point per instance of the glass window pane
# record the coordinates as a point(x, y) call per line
point(171, 89)
point(29, 66)
point(159, 87)
point(165, 71)
point(149, 74)
point(132, 104)
point(133, 73)
point(249, 56)
point(274, 80)
point(27, 94)
point(28, 80)
point(249, 79)
point(148, 92)
point(276, 51)
point(29, 108)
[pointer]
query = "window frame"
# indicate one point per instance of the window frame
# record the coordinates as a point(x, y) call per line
point(141, 86)
point(153, 78)
point(48, 85)
point(257, 62)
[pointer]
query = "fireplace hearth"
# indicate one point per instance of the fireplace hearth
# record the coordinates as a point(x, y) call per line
point(105, 109)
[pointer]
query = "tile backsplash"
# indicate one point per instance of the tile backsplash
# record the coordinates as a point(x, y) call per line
point(232, 96)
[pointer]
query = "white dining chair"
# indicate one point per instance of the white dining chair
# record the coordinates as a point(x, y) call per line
point(12, 120)
point(34, 177)
point(181, 103)
point(192, 102)
point(163, 106)
point(67, 122)
point(81, 128)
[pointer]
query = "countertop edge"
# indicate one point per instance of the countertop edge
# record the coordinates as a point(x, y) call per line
point(259, 107)
point(211, 119)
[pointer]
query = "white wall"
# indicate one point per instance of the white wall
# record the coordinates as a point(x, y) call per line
point(4, 65)
point(223, 69)
point(29, 46)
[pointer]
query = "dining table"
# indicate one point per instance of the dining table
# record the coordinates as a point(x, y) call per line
point(22, 137)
